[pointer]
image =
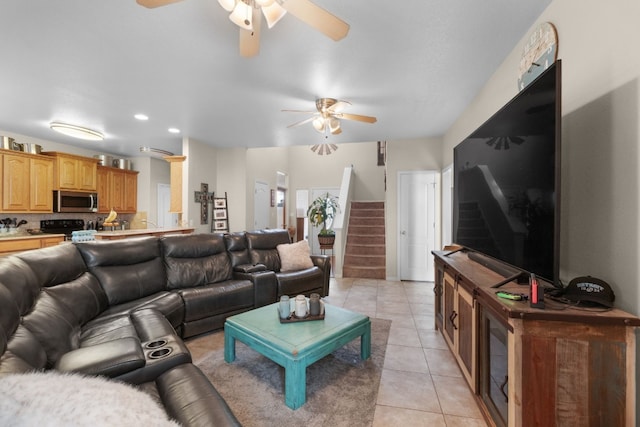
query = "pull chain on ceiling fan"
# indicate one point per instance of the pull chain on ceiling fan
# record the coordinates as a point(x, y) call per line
point(246, 15)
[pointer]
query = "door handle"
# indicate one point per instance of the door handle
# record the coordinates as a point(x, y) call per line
point(404, 233)
point(452, 319)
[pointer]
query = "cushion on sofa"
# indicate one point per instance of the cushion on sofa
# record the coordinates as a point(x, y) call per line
point(195, 260)
point(127, 269)
point(217, 298)
point(236, 244)
point(55, 264)
point(294, 256)
point(21, 282)
point(262, 247)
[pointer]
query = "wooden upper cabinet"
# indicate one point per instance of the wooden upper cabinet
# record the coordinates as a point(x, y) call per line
point(41, 185)
point(73, 172)
point(104, 189)
point(130, 192)
point(117, 189)
point(15, 183)
point(87, 175)
point(26, 183)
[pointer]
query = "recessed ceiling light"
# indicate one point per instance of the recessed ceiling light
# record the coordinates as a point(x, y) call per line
point(142, 117)
point(174, 130)
point(76, 131)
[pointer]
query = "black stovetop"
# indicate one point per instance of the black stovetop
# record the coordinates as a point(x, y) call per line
point(61, 226)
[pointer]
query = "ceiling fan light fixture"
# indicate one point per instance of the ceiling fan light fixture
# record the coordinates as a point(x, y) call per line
point(263, 3)
point(319, 124)
point(76, 131)
point(227, 5)
point(242, 16)
point(273, 13)
point(334, 124)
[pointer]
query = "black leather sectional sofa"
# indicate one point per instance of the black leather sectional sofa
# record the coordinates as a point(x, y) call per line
point(121, 309)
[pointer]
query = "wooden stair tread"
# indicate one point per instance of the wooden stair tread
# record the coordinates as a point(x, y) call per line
point(365, 252)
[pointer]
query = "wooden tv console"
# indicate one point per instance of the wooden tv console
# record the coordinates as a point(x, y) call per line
point(564, 365)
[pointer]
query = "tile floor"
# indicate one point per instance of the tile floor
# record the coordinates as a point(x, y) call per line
point(421, 384)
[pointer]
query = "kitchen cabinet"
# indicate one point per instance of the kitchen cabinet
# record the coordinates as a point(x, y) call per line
point(21, 243)
point(41, 185)
point(104, 189)
point(26, 182)
point(73, 172)
point(117, 190)
point(561, 365)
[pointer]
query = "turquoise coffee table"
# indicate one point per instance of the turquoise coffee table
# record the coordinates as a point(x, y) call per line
point(294, 346)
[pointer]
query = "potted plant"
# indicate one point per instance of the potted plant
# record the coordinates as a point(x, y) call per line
point(321, 211)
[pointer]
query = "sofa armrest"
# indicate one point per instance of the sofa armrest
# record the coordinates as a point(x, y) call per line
point(265, 286)
point(111, 358)
point(249, 268)
point(323, 262)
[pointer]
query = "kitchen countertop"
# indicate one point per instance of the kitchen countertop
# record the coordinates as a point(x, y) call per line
point(121, 234)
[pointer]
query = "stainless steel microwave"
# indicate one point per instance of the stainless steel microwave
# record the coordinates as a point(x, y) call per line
point(75, 201)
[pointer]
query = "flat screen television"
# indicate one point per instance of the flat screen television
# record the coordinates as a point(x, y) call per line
point(507, 182)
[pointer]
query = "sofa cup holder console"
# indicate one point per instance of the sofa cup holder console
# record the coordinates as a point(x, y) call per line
point(156, 343)
point(160, 353)
point(160, 348)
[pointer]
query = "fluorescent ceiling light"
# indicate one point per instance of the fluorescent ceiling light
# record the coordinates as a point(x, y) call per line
point(174, 130)
point(142, 117)
point(152, 150)
point(76, 131)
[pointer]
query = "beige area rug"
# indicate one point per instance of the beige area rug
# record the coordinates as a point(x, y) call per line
point(341, 388)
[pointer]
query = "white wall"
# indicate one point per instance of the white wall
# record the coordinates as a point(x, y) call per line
point(199, 167)
point(232, 179)
point(600, 227)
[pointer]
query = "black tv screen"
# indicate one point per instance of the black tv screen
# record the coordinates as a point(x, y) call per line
point(507, 181)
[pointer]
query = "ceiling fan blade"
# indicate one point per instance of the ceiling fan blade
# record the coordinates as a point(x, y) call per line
point(155, 3)
point(299, 111)
point(357, 117)
point(317, 17)
point(250, 39)
point(301, 122)
point(339, 106)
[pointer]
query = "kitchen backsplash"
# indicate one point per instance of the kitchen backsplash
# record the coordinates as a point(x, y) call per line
point(33, 220)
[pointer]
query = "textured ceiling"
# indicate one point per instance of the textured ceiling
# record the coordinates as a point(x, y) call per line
point(414, 64)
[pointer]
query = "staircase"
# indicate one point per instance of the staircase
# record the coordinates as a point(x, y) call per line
point(365, 251)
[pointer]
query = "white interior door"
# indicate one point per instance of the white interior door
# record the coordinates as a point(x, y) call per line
point(261, 200)
point(164, 217)
point(416, 224)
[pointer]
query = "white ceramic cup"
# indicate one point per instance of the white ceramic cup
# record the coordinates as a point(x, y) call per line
point(301, 306)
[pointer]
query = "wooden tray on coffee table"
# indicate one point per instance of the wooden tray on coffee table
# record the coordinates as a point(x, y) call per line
point(292, 318)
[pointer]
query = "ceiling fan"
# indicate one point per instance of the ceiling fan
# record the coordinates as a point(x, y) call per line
point(246, 15)
point(327, 117)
